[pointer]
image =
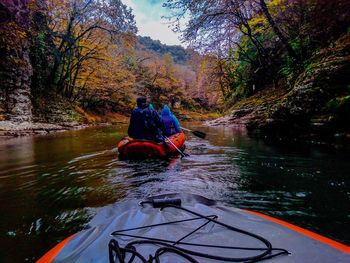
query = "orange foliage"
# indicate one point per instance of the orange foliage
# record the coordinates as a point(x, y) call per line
point(98, 64)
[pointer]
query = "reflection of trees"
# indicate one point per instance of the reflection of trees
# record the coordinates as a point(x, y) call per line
point(17, 163)
point(40, 207)
point(10, 151)
point(68, 188)
point(44, 197)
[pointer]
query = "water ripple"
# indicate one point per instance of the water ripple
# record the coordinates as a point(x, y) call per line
point(51, 186)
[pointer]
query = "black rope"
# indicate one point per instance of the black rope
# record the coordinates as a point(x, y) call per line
point(160, 224)
point(120, 253)
point(169, 246)
point(177, 242)
point(265, 241)
point(194, 244)
point(163, 250)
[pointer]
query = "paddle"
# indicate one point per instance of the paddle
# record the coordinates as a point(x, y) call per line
point(199, 134)
point(181, 152)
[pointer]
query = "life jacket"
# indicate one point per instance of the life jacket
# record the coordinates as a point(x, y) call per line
point(152, 130)
point(169, 125)
point(148, 121)
point(169, 122)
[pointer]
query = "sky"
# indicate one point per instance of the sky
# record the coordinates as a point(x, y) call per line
point(148, 17)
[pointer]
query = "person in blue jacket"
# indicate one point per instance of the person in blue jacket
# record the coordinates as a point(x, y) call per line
point(145, 123)
point(171, 123)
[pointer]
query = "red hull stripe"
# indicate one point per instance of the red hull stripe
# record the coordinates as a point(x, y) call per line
point(52, 253)
point(305, 232)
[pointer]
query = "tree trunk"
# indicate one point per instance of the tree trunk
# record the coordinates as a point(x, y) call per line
point(277, 31)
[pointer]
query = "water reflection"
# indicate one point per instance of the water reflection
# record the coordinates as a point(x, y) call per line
point(52, 185)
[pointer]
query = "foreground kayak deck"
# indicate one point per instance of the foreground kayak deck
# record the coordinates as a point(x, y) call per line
point(115, 221)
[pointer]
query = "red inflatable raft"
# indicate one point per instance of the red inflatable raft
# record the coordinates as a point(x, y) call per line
point(141, 149)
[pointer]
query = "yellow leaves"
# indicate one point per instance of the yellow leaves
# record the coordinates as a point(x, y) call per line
point(22, 35)
point(99, 65)
point(12, 36)
point(107, 75)
point(203, 65)
point(90, 61)
point(32, 5)
point(258, 23)
point(275, 3)
point(276, 6)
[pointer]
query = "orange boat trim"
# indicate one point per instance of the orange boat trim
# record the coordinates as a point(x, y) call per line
point(308, 233)
point(52, 253)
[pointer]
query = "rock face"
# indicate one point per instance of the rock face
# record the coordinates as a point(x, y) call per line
point(57, 110)
point(15, 67)
point(17, 91)
point(317, 105)
point(319, 101)
point(251, 110)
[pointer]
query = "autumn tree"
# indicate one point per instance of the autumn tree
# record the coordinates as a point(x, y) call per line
point(277, 30)
point(84, 32)
point(215, 25)
point(158, 78)
point(258, 43)
point(208, 90)
point(310, 24)
point(219, 27)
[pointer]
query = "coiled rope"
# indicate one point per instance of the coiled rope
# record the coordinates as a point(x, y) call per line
point(120, 254)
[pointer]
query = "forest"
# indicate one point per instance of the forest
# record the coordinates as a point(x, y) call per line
point(85, 56)
point(261, 89)
point(266, 64)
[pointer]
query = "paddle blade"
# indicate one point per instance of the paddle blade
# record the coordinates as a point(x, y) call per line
point(199, 134)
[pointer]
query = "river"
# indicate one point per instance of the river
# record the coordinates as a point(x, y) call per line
point(51, 186)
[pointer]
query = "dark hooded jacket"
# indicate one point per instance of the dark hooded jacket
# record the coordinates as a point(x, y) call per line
point(171, 124)
point(145, 123)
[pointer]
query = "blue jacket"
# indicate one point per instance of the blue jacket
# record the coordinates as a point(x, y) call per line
point(171, 124)
point(146, 124)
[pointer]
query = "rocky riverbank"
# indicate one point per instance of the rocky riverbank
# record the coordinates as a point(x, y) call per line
point(13, 129)
point(316, 106)
point(54, 115)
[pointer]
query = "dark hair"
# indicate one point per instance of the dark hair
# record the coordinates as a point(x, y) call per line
point(142, 102)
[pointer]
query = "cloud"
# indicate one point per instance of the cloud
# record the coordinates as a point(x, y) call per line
point(148, 17)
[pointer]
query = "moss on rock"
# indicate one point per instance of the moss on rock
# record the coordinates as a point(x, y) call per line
point(319, 98)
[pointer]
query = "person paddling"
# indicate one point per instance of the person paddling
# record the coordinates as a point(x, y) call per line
point(145, 123)
point(171, 123)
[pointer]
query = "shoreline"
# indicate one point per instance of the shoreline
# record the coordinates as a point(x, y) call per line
point(14, 129)
point(336, 140)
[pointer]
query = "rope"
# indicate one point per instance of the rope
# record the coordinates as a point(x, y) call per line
point(172, 246)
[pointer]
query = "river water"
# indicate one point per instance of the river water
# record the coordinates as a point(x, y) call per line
point(50, 186)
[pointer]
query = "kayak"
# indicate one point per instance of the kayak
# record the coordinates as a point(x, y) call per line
point(130, 148)
point(191, 228)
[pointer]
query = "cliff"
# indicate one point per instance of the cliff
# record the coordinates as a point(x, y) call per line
point(15, 67)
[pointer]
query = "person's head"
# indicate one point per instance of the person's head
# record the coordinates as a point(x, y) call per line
point(166, 110)
point(142, 102)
